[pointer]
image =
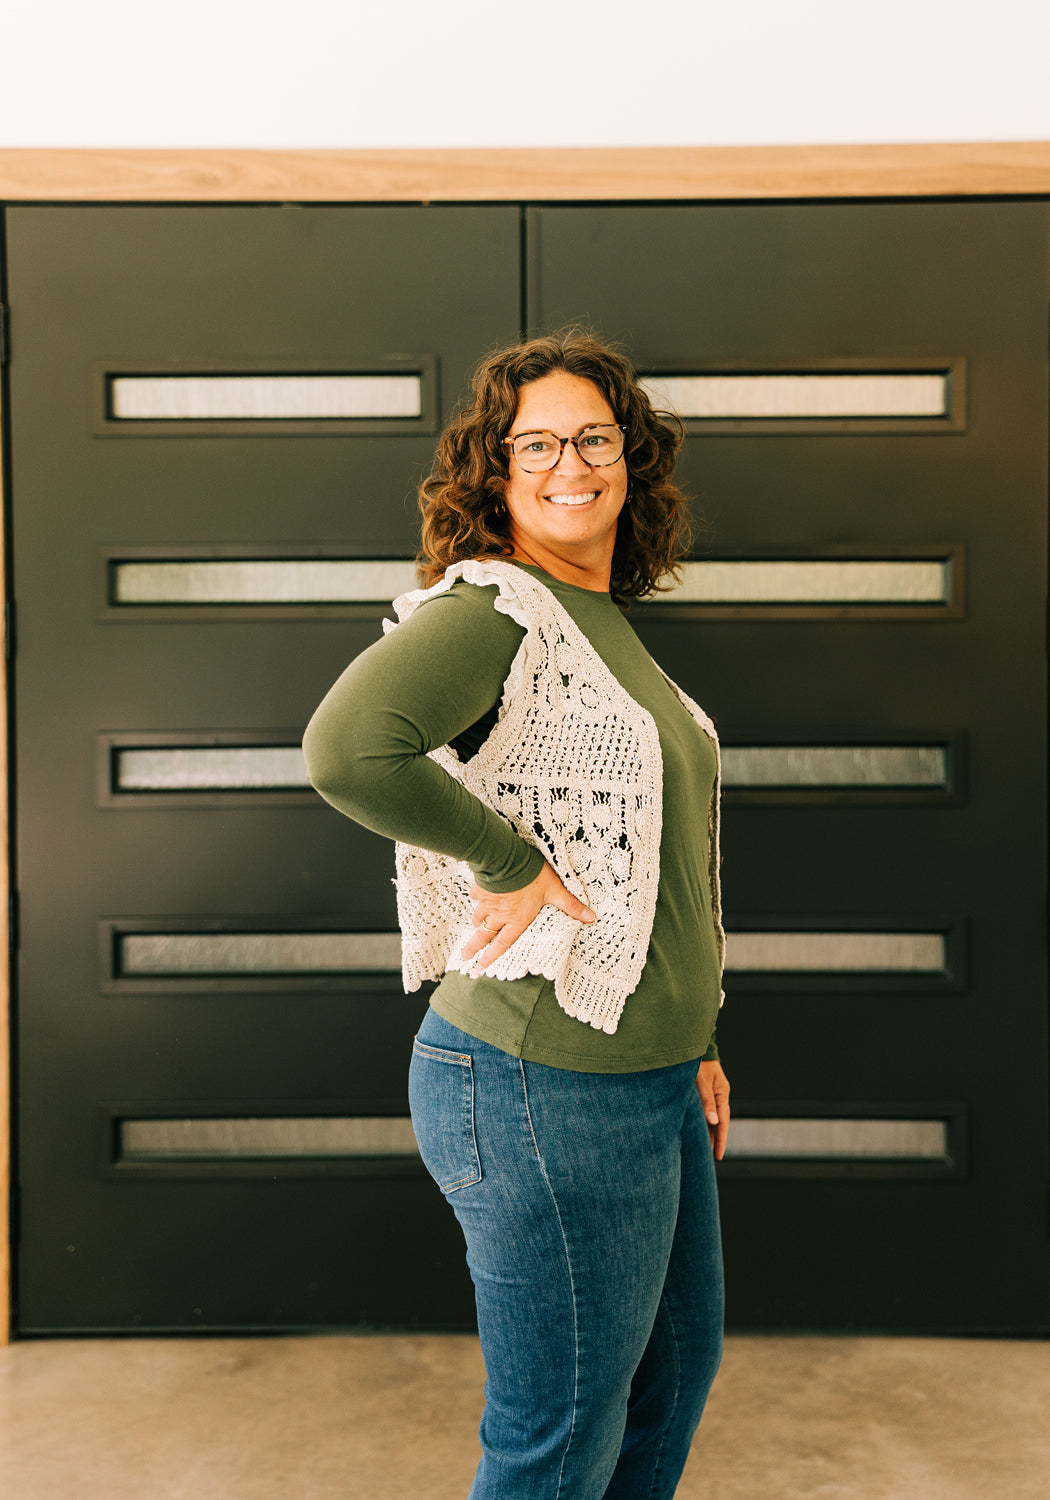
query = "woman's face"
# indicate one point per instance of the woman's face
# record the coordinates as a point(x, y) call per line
point(568, 513)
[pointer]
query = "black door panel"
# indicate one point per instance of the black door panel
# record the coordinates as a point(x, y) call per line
point(833, 1236)
point(235, 1235)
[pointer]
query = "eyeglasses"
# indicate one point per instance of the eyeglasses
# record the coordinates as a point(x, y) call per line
point(538, 451)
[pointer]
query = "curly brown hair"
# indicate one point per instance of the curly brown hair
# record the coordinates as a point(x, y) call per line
point(459, 499)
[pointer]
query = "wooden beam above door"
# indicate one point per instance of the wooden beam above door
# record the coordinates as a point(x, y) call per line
point(564, 173)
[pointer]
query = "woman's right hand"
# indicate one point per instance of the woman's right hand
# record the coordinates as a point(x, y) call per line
point(500, 920)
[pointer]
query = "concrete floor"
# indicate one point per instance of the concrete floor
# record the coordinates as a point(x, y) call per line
point(375, 1417)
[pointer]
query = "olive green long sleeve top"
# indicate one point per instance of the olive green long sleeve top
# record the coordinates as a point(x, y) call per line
point(438, 679)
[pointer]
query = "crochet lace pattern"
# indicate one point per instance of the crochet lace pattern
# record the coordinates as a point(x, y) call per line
point(574, 765)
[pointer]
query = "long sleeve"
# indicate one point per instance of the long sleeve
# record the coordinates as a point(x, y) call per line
point(419, 687)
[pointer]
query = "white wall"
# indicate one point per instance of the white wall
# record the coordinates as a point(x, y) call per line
point(342, 73)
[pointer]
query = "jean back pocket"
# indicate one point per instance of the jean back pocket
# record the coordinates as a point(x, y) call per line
point(441, 1099)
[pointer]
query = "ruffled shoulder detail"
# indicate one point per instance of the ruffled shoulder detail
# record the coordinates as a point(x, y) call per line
point(483, 571)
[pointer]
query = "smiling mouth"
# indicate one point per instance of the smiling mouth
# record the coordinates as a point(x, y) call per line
point(582, 499)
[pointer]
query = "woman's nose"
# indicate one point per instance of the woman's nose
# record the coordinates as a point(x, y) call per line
point(570, 461)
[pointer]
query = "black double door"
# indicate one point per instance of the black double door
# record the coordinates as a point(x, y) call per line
point(217, 418)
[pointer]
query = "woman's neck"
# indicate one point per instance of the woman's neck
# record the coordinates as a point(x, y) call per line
point(596, 578)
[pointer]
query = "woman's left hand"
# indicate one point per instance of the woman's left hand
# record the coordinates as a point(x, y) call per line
point(713, 1088)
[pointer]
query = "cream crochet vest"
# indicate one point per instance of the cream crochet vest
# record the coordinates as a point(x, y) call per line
point(574, 765)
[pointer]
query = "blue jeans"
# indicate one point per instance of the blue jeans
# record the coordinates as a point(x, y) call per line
point(589, 1206)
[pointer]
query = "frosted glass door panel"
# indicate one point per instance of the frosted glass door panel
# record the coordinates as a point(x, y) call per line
point(925, 1140)
point(817, 581)
point(803, 397)
point(223, 768)
point(261, 398)
point(201, 1139)
point(250, 953)
point(836, 952)
point(283, 581)
point(834, 765)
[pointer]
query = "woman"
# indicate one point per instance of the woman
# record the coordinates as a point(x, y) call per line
point(555, 802)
